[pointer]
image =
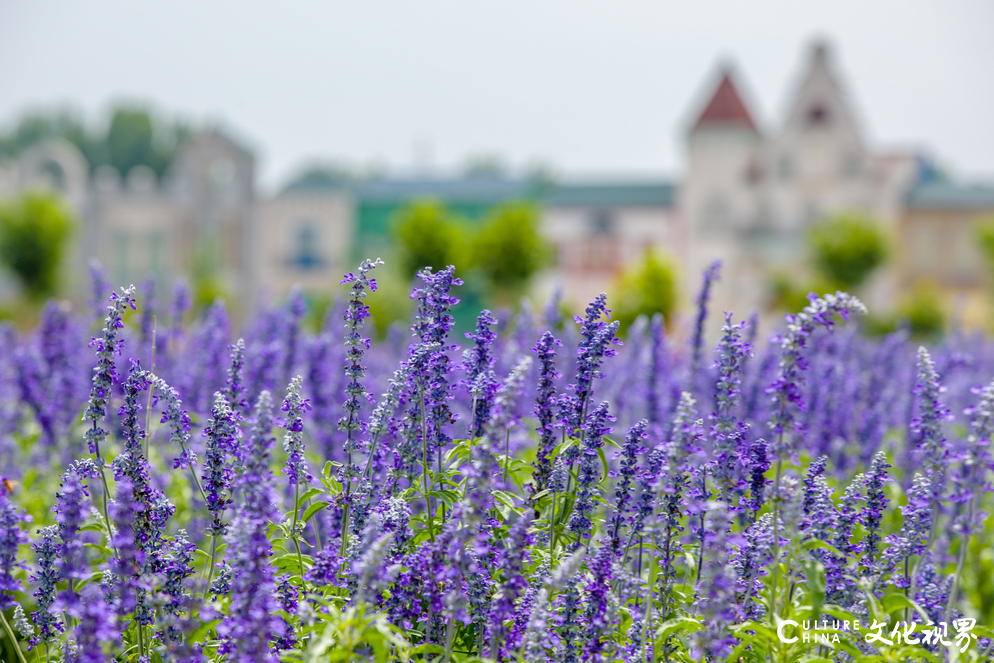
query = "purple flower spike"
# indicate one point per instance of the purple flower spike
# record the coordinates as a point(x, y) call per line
point(786, 388)
point(711, 274)
point(293, 442)
point(108, 345)
point(11, 536)
point(478, 362)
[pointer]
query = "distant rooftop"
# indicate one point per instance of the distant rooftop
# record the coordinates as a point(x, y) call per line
point(726, 108)
point(951, 195)
point(466, 189)
point(630, 194)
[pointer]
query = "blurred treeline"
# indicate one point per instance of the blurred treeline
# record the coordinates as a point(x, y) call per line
point(133, 136)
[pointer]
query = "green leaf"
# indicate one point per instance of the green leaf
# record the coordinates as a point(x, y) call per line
point(600, 452)
point(313, 509)
point(678, 625)
point(814, 580)
point(311, 493)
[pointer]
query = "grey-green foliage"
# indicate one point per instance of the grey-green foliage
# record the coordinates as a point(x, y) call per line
point(34, 230)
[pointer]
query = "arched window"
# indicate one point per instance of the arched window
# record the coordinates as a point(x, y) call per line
point(306, 253)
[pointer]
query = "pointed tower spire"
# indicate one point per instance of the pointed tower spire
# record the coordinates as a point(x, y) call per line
point(726, 108)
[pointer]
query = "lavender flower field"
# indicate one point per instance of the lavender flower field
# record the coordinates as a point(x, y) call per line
point(537, 491)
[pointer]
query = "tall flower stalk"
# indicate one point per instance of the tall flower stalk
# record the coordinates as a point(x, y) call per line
point(108, 345)
point(787, 395)
point(356, 346)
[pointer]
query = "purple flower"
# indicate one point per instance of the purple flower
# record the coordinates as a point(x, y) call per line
point(817, 506)
point(148, 309)
point(251, 623)
point(179, 305)
point(221, 432)
point(786, 388)
point(11, 536)
point(47, 576)
point(72, 505)
point(749, 561)
point(99, 287)
point(717, 604)
point(657, 350)
point(930, 443)
point(150, 520)
point(108, 345)
point(130, 558)
point(95, 629)
point(234, 388)
point(544, 404)
point(596, 618)
point(711, 274)
point(206, 372)
point(913, 539)
point(176, 569)
point(515, 555)
point(629, 468)
point(840, 589)
point(356, 346)
point(478, 362)
point(759, 463)
point(873, 511)
point(597, 336)
point(587, 483)
point(177, 417)
point(727, 433)
point(293, 442)
point(432, 324)
point(287, 596)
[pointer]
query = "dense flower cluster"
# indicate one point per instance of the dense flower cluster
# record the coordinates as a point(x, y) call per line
point(540, 500)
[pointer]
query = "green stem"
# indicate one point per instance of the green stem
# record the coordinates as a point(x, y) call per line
point(148, 404)
point(776, 537)
point(193, 472)
point(369, 458)
point(293, 526)
point(552, 526)
point(507, 455)
point(104, 493)
point(424, 474)
point(13, 640)
point(961, 561)
point(210, 565)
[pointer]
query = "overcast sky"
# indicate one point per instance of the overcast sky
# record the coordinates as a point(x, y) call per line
point(589, 88)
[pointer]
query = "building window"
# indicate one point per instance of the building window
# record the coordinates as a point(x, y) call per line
point(602, 222)
point(306, 254)
point(817, 115)
point(600, 254)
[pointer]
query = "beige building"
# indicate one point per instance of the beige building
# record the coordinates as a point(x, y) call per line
point(600, 228)
point(938, 248)
point(303, 238)
point(749, 194)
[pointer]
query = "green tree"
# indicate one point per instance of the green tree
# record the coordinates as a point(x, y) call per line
point(984, 233)
point(129, 139)
point(647, 288)
point(847, 248)
point(34, 229)
point(428, 235)
point(509, 248)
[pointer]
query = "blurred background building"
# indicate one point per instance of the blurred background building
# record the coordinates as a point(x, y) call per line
point(751, 191)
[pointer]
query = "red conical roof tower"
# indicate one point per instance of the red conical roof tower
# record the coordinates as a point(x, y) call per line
point(725, 108)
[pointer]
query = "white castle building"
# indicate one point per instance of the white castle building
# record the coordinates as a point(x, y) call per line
point(750, 194)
